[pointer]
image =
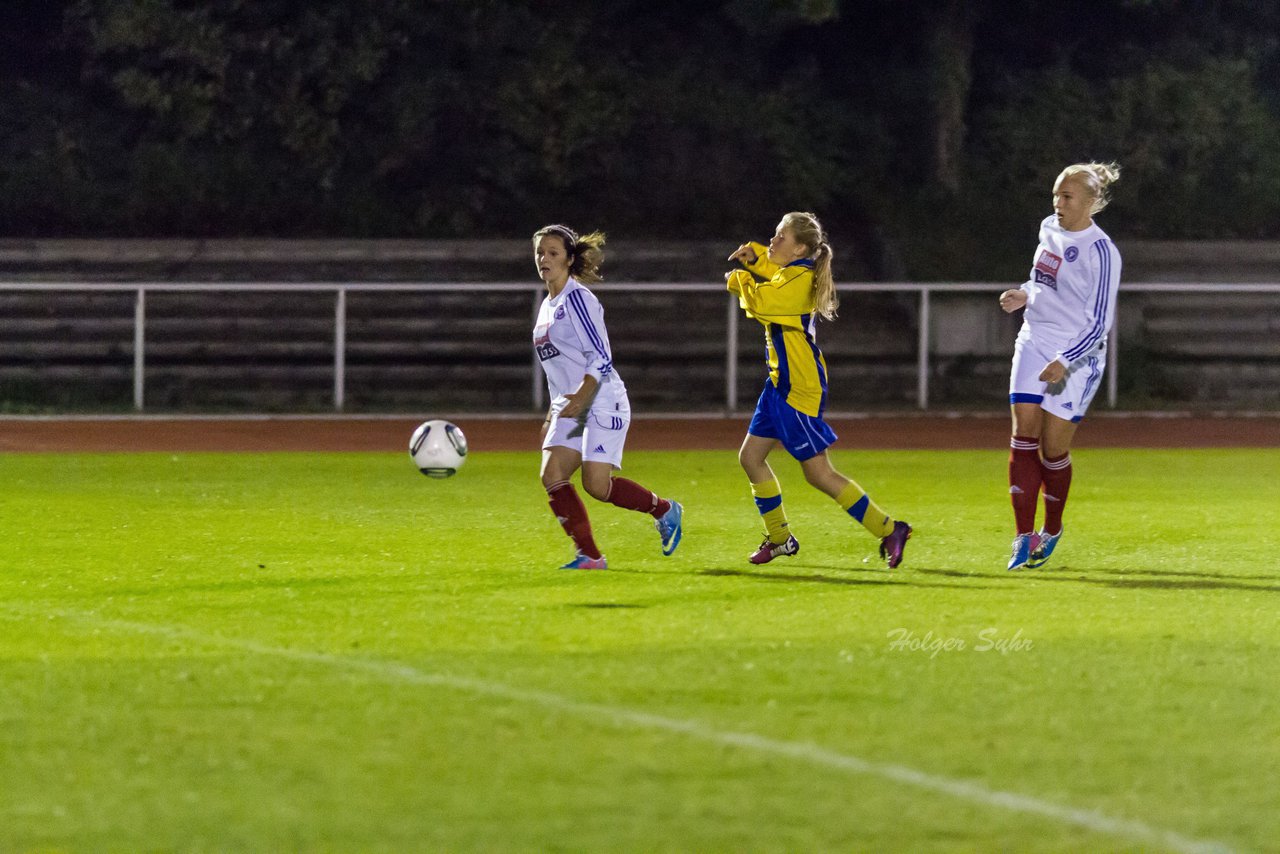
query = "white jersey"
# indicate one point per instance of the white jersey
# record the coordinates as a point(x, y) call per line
point(572, 342)
point(1071, 295)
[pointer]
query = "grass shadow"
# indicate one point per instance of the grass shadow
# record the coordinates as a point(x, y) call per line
point(1177, 574)
point(815, 578)
point(952, 573)
point(1196, 581)
point(1150, 583)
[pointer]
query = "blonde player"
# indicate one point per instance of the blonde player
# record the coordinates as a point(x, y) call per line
point(587, 423)
point(1058, 358)
point(794, 286)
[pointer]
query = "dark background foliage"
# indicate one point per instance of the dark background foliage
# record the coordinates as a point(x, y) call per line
point(926, 134)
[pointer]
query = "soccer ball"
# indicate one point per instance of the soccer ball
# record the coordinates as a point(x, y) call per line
point(438, 448)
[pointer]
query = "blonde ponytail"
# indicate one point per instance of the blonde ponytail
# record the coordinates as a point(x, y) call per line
point(809, 232)
point(825, 298)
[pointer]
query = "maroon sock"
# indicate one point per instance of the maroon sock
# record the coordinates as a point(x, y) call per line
point(571, 513)
point(1057, 483)
point(1024, 481)
point(630, 495)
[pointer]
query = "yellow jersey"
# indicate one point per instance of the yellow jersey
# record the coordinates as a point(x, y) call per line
point(785, 304)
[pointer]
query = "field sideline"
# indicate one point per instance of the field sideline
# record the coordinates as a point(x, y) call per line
point(207, 645)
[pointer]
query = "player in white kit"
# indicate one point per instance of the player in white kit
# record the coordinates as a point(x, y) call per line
point(1070, 301)
point(586, 425)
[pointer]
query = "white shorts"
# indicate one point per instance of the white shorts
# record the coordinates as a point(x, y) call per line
point(1069, 399)
point(602, 440)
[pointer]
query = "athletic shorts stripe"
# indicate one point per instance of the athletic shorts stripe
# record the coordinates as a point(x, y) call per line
point(1091, 384)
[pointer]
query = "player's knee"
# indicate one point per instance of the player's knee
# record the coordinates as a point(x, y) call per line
point(825, 482)
point(1053, 450)
point(819, 473)
point(597, 489)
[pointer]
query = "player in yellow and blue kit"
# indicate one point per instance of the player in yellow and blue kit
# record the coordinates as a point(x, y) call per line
point(786, 286)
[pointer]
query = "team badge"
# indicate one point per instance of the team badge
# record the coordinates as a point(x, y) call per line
point(1072, 254)
point(560, 313)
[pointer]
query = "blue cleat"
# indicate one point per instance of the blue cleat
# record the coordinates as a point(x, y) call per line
point(669, 527)
point(1021, 551)
point(581, 561)
point(1045, 545)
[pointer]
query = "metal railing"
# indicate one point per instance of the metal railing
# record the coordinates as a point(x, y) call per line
point(923, 290)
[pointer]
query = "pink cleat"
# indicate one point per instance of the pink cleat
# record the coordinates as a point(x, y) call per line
point(769, 550)
point(581, 561)
point(891, 546)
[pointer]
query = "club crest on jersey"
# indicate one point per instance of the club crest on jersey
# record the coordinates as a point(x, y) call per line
point(560, 313)
point(1046, 271)
point(1071, 254)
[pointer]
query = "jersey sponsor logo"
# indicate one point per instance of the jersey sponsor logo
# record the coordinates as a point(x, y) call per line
point(599, 449)
point(543, 347)
point(1046, 271)
point(1071, 254)
point(1048, 262)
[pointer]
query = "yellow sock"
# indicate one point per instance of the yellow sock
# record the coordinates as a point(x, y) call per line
point(768, 496)
point(856, 503)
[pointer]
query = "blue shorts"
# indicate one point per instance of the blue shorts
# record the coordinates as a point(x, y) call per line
point(803, 436)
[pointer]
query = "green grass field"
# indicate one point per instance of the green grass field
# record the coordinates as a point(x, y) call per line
point(329, 652)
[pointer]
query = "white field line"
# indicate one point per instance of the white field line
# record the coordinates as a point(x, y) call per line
point(625, 718)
